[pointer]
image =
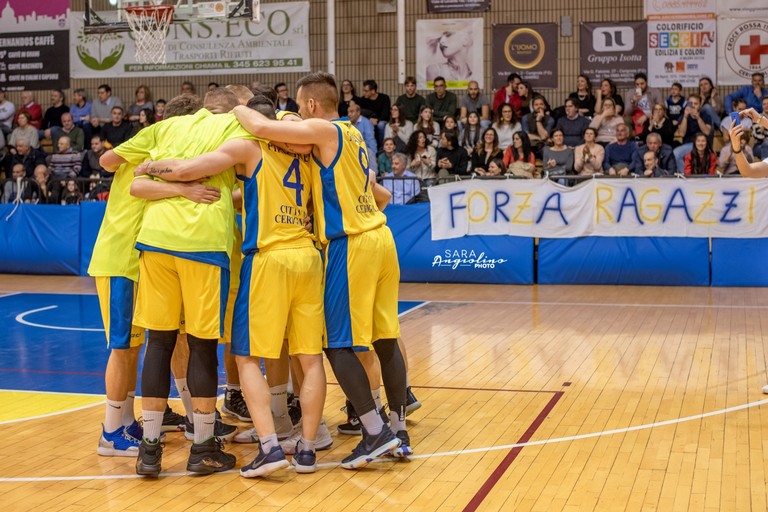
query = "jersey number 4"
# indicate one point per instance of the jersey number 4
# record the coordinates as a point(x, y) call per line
point(296, 184)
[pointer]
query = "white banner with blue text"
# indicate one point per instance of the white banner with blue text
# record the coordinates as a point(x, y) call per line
point(719, 208)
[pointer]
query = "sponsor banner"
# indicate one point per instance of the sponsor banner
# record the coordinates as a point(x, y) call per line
point(452, 49)
point(613, 50)
point(667, 7)
point(529, 50)
point(742, 49)
point(742, 8)
point(681, 49)
point(726, 208)
point(434, 6)
point(277, 44)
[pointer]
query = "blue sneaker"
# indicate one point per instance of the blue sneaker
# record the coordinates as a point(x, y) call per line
point(304, 461)
point(404, 449)
point(135, 430)
point(371, 447)
point(118, 443)
point(265, 463)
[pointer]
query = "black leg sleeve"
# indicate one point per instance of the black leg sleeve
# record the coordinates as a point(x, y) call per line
point(156, 375)
point(352, 378)
point(392, 373)
point(202, 371)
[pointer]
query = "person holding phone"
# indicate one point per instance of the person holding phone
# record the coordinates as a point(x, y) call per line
point(693, 122)
point(639, 101)
point(757, 169)
point(421, 156)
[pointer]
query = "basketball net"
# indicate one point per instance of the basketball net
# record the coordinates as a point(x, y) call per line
point(149, 24)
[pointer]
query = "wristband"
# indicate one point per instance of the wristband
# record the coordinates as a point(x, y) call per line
point(737, 152)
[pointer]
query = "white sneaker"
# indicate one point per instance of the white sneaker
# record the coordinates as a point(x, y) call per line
point(324, 440)
point(765, 390)
point(249, 436)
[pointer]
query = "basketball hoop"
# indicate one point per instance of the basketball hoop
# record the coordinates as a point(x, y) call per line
point(149, 24)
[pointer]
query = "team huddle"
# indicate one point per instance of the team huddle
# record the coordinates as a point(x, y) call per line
point(169, 259)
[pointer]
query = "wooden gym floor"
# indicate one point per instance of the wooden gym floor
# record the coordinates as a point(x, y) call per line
point(535, 398)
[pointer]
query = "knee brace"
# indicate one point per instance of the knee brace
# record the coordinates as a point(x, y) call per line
point(156, 375)
point(202, 371)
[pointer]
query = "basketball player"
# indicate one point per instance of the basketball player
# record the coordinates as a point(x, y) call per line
point(281, 283)
point(362, 274)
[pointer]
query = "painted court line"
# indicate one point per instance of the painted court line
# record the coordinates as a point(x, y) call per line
point(20, 318)
point(592, 304)
point(444, 454)
point(28, 418)
point(414, 308)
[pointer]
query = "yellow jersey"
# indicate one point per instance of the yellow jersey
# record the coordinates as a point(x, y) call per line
point(343, 201)
point(115, 254)
point(176, 224)
point(275, 201)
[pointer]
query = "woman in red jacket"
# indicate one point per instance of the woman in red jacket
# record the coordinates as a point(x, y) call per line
point(701, 159)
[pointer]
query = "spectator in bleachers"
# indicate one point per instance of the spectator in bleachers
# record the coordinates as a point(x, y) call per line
point(66, 162)
point(49, 188)
point(398, 127)
point(29, 105)
point(384, 159)
point(52, 117)
point(488, 149)
point(429, 126)
point(606, 122)
point(506, 125)
point(701, 160)
point(160, 110)
point(558, 158)
point(24, 131)
point(347, 94)
point(411, 102)
point(651, 167)
point(618, 155)
point(402, 184)
point(475, 101)
point(284, 101)
point(19, 187)
point(608, 90)
point(146, 118)
point(442, 101)
point(588, 157)
point(737, 106)
point(421, 156)
point(451, 125)
point(25, 154)
point(508, 94)
point(753, 94)
point(663, 153)
point(91, 163)
point(693, 122)
point(68, 128)
point(187, 87)
point(117, 131)
point(659, 123)
point(519, 158)
point(495, 168)
point(525, 92)
point(640, 101)
point(538, 124)
point(212, 85)
point(365, 128)
point(375, 106)
point(710, 98)
point(7, 111)
point(143, 100)
point(760, 135)
point(101, 108)
point(71, 194)
point(572, 124)
point(81, 113)
point(727, 161)
point(452, 159)
point(675, 103)
point(472, 133)
point(583, 98)
point(3, 155)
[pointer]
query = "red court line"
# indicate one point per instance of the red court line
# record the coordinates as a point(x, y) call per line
point(493, 390)
point(54, 372)
point(492, 480)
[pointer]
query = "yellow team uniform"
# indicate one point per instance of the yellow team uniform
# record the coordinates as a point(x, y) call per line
point(184, 245)
point(282, 272)
point(362, 274)
point(235, 263)
point(115, 262)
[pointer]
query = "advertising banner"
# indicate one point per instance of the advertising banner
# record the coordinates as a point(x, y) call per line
point(742, 8)
point(613, 50)
point(681, 49)
point(529, 50)
point(435, 6)
point(277, 44)
point(726, 208)
point(667, 7)
point(452, 49)
point(742, 49)
point(34, 60)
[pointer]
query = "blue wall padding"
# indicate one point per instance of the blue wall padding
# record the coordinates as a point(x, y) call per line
point(739, 262)
point(624, 260)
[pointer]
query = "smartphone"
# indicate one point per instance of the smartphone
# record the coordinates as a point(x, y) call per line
point(735, 119)
point(639, 91)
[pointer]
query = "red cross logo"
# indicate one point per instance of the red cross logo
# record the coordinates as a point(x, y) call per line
point(754, 49)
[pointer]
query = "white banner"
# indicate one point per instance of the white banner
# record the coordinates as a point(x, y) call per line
point(722, 208)
point(666, 7)
point(681, 49)
point(452, 49)
point(278, 44)
point(742, 49)
point(742, 8)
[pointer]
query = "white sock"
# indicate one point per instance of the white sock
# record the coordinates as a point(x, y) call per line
point(236, 387)
point(376, 393)
point(153, 425)
point(186, 397)
point(407, 380)
point(113, 419)
point(128, 416)
point(269, 442)
point(372, 422)
point(204, 424)
point(279, 400)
